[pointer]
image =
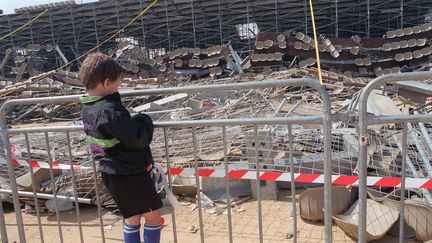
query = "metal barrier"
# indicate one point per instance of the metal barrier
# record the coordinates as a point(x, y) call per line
point(324, 120)
point(405, 120)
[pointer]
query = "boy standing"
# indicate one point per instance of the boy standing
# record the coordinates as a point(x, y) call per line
point(121, 145)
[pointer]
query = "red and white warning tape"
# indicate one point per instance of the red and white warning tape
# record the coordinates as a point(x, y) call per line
point(305, 178)
point(37, 164)
point(264, 175)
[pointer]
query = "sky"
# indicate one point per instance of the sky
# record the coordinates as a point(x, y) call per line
point(8, 6)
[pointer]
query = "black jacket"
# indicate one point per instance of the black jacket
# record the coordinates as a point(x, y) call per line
point(120, 143)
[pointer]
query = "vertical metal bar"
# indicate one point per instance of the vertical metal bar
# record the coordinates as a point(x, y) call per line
point(35, 198)
point(362, 176)
point(198, 184)
point(403, 172)
point(293, 194)
point(276, 15)
point(401, 13)
point(73, 29)
point(74, 186)
point(95, 26)
point(168, 25)
point(117, 14)
point(193, 23)
point(247, 28)
point(227, 184)
point(142, 25)
point(31, 29)
point(3, 231)
point(12, 180)
point(305, 12)
point(52, 35)
point(258, 186)
point(98, 202)
point(337, 19)
point(53, 186)
point(10, 31)
point(220, 22)
point(328, 207)
point(368, 18)
point(167, 155)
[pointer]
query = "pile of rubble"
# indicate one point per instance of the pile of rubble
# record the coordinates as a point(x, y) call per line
point(220, 64)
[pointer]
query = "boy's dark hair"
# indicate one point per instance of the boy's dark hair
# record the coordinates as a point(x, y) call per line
point(98, 67)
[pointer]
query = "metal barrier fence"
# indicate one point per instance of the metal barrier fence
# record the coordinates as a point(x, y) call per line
point(323, 120)
point(405, 121)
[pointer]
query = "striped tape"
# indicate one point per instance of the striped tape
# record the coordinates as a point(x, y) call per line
point(305, 178)
point(252, 175)
point(45, 165)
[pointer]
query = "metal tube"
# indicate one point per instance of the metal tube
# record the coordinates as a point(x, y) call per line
point(402, 195)
point(193, 123)
point(168, 27)
point(52, 35)
point(53, 186)
point(35, 198)
point(401, 13)
point(12, 180)
point(95, 27)
point(167, 156)
point(193, 23)
point(97, 197)
point(198, 184)
point(3, 230)
point(74, 187)
point(337, 19)
point(293, 194)
point(46, 196)
point(276, 15)
point(186, 89)
point(220, 22)
point(364, 121)
point(398, 119)
point(328, 211)
point(227, 184)
point(368, 18)
point(258, 186)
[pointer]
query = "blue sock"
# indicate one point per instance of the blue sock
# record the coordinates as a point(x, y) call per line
point(131, 233)
point(152, 233)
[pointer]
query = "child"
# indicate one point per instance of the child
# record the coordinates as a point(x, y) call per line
point(121, 145)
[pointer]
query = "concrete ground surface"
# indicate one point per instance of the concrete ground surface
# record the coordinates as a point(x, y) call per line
point(276, 221)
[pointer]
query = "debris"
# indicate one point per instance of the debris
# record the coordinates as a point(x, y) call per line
point(239, 210)
point(109, 227)
point(62, 205)
point(111, 217)
point(290, 233)
point(380, 219)
point(216, 211)
point(193, 228)
point(206, 202)
point(311, 202)
point(417, 215)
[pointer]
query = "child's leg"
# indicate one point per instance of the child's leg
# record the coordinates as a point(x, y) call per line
point(131, 229)
point(152, 227)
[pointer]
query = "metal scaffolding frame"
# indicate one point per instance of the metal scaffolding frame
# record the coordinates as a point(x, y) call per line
point(171, 24)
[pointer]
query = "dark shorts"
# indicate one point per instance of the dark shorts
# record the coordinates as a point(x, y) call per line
point(134, 194)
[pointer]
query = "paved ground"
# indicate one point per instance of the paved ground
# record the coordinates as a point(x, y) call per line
point(276, 221)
